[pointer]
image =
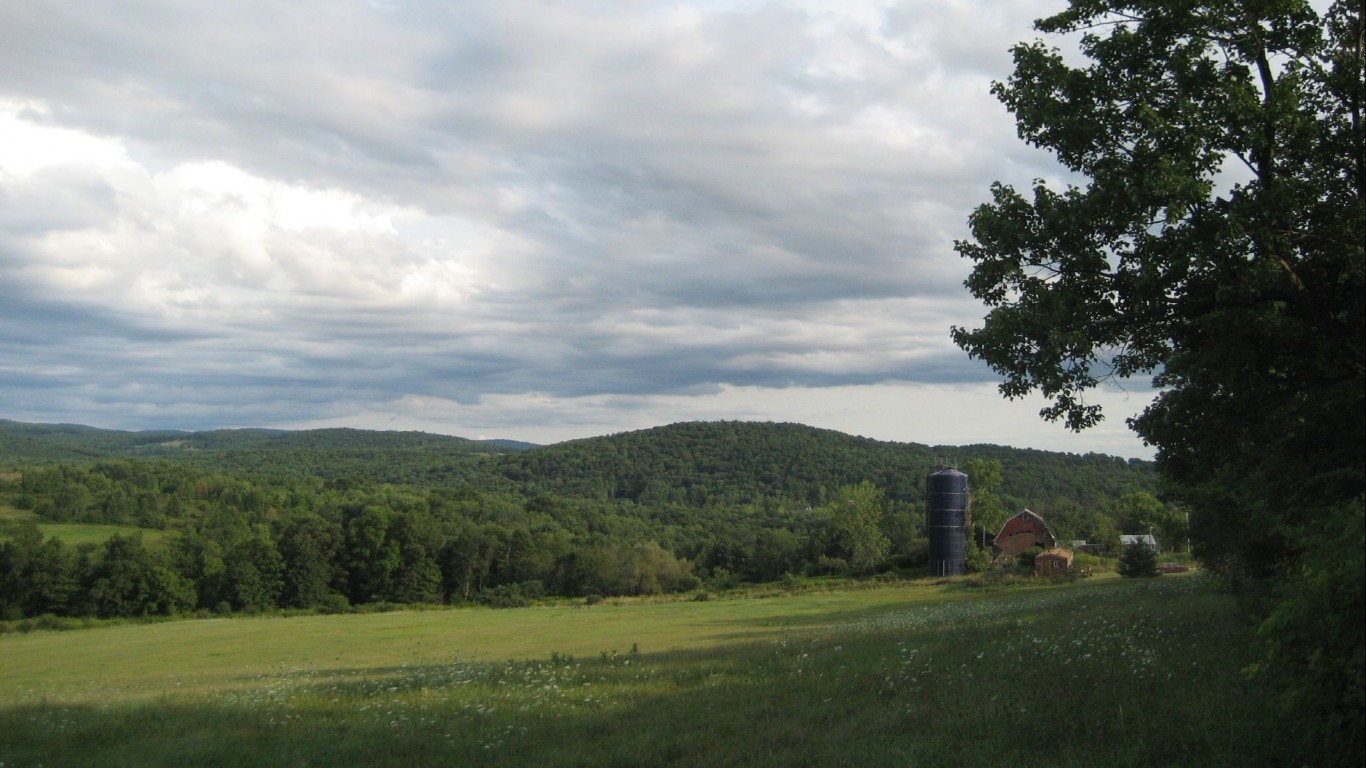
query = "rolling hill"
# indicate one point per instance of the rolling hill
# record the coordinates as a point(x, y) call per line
point(695, 464)
point(396, 457)
point(708, 463)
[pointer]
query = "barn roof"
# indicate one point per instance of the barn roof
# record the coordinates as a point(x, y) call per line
point(1021, 532)
point(1025, 521)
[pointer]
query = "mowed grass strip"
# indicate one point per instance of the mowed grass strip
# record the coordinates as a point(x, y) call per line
point(1105, 672)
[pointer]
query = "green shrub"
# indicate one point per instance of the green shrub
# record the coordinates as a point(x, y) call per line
point(722, 579)
point(1026, 558)
point(828, 566)
point(1138, 560)
point(333, 603)
point(976, 559)
point(504, 596)
point(1315, 649)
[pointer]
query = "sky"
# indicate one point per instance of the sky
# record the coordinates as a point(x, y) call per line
point(506, 219)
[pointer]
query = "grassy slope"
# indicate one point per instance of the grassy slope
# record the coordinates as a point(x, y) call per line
point(1102, 672)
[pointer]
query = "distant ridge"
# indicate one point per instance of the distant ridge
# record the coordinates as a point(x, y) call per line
point(329, 451)
point(697, 464)
point(511, 445)
point(740, 463)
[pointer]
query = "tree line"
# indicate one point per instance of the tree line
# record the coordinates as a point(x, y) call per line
point(245, 542)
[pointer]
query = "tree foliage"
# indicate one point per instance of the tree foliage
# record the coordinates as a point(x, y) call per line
point(988, 512)
point(1137, 560)
point(856, 519)
point(703, 464)
point(250, 526)
point(1213, 238)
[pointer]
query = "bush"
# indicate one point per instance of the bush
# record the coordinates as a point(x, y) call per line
point(976, 559)
point(504, 596)
point(1138, 560)
point(334, 603)
point(827, 566)
point(1083, 561)
point(1315, 647)
point(722, 579)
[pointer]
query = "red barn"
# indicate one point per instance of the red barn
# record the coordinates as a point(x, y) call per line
point(1021, 532)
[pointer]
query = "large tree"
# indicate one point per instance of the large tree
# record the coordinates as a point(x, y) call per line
point(984, 500)
point(1211, 236)
point(856, 519)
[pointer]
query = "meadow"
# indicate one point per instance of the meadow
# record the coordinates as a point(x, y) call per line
point(75, 534)
point(1097, 672)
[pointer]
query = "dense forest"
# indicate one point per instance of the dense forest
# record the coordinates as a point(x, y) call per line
point(329, 519)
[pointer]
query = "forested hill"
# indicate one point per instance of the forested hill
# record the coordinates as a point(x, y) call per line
point(42, 443)
point(696, 464)
point(398, 457)
point(258, 519)
point(710, 463)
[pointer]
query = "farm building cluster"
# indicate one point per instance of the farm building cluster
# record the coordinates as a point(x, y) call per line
point(1027, 530)
point(947, 505)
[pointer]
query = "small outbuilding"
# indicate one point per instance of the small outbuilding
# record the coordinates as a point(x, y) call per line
point(1053, 562)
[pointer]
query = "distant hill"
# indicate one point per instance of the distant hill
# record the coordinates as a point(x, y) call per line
point(511, 445)
point(377, 455)
point(73, 442)
point(695, 464)
point(706, 463)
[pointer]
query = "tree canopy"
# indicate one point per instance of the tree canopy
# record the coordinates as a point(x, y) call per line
point(283, 520)
point(1212, 237)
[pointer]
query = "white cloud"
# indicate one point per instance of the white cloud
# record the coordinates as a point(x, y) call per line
point(485, 213)
point(26, 146)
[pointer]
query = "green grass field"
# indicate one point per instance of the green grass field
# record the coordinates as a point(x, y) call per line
point(73, 534)
point(1093, 673)
point(8, 512)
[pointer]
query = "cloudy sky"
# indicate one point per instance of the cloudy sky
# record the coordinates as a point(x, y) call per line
point(538, 221)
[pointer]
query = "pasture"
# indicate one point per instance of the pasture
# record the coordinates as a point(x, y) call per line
point(1100, 672)
point(75, 534)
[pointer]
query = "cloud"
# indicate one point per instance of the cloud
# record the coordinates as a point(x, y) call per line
point(264, 213)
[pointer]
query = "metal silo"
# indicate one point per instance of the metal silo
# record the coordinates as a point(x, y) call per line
point(946, 497)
